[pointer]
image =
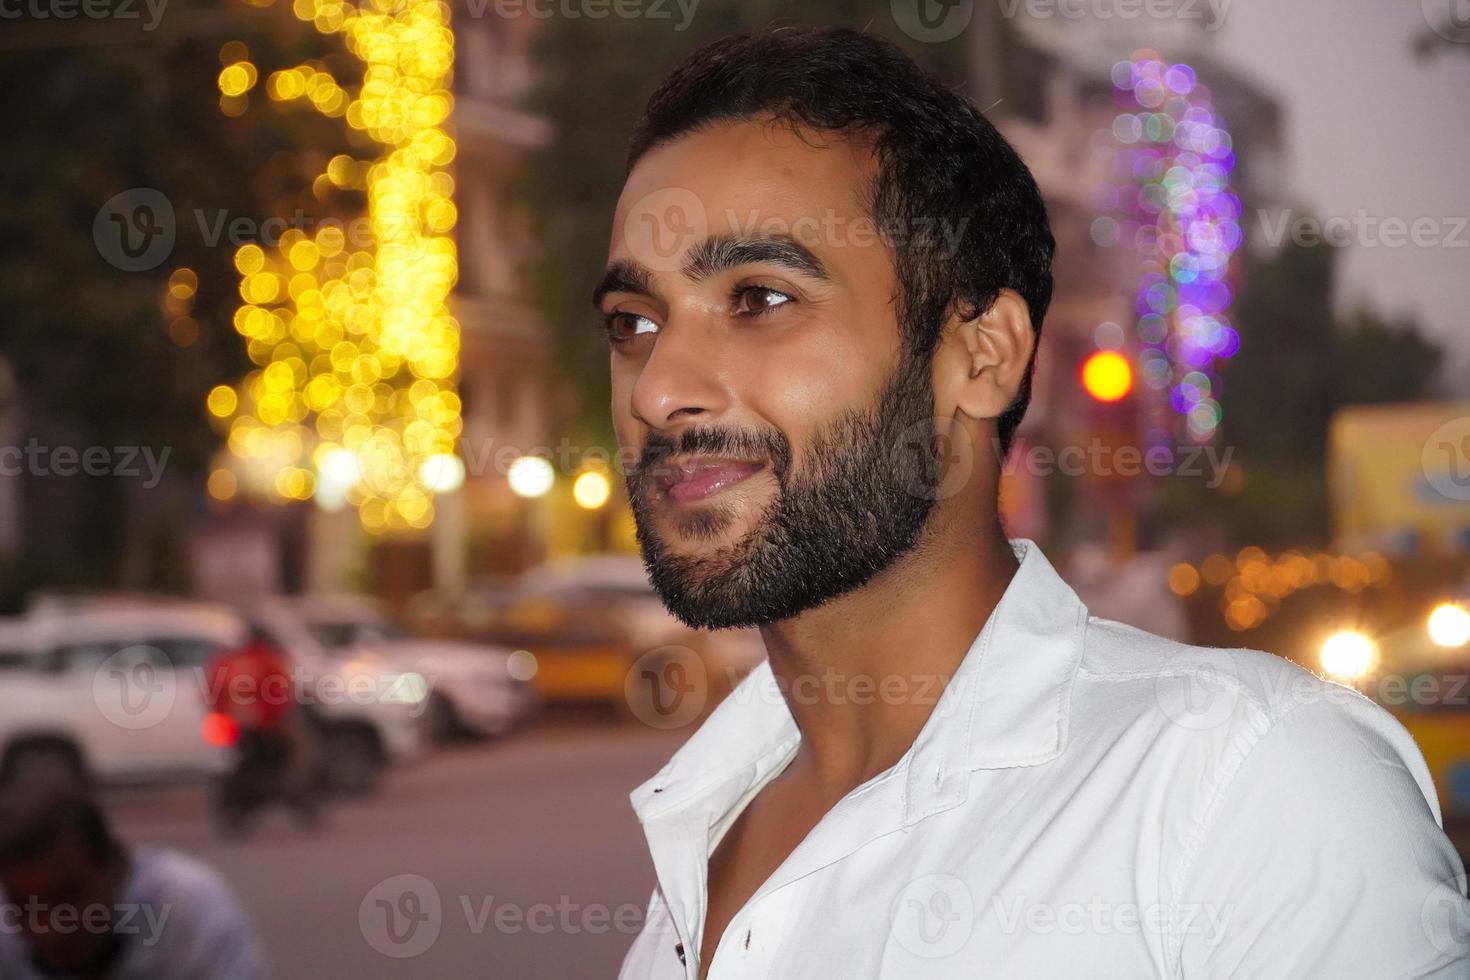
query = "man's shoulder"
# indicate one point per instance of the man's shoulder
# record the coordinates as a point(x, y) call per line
point(201, 928)
point(1255, 687)
point(191, 889)
point(1221, 706)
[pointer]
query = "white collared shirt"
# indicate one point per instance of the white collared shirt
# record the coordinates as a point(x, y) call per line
point(1085, 801)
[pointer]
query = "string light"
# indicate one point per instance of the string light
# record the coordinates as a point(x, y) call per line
point(1253, 584)
point(353, 399)
point(1171, 185)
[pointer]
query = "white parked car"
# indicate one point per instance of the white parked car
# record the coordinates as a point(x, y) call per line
point(117, 689)
point(473, 688)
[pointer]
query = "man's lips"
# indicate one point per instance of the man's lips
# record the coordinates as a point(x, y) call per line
point(690, 479)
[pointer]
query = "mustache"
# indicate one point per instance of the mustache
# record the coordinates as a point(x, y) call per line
point(767, 445)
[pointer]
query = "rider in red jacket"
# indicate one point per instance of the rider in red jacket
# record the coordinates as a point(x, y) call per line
point(252, 685)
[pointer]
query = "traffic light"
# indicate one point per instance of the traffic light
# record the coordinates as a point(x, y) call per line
point(1107, 376)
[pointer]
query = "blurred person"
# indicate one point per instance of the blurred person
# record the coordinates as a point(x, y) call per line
point(78, 904)
point(826, 283)
point(275, 748)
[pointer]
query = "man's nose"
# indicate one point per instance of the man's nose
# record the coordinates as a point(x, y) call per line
point(680, 382)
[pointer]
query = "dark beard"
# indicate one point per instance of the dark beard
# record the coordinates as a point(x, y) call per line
point(857, 502)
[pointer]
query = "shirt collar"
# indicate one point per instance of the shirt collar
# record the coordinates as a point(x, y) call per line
point(1007, 706)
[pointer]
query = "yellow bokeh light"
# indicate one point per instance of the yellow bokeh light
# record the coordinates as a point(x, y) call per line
point(183, 283)
point(1184, 579)
point(591, 490)
point(238, 78)
point(222, 401)
point(351, 326)
point(249, 259)
point(222, 485)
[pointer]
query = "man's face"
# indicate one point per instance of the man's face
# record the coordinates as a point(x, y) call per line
point(65, 899)
point(782, 434)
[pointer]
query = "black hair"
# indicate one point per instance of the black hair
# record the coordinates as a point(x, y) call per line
point(38, 812)
point(941, 164)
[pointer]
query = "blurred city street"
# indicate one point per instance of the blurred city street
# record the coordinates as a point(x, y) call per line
point(538, 822)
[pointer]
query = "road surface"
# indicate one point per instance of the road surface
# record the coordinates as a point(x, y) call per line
point(518, 859)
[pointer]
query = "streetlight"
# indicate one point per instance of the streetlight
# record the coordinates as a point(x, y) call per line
point(1349, 654)
point(1449, 626)
point(530, 477)
point(442, 473)
point(1107, 376)
point(591, 490)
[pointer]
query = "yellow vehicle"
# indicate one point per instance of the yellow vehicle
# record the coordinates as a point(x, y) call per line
point(600, 634)
point(1400, 477)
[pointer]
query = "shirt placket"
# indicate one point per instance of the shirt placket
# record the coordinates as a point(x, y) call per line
point(756, 935)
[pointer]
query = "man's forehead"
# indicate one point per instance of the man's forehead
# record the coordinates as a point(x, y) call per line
point(755, 170)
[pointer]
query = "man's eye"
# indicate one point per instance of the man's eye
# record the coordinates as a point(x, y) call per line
point(756, 300)
point(623, 327)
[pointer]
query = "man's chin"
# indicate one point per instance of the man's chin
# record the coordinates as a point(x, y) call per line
point(702, 532)
point(700, 578)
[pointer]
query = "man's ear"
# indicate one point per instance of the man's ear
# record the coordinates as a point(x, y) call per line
point(981, 363)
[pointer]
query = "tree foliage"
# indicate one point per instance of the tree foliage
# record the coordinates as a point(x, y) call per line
point(96, 108)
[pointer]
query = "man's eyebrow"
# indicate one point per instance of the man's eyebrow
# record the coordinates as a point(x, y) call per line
point(710, 257)
point(624, 276)
point(718, 253)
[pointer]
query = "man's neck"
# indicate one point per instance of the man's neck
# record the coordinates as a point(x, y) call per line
point(862, 674)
